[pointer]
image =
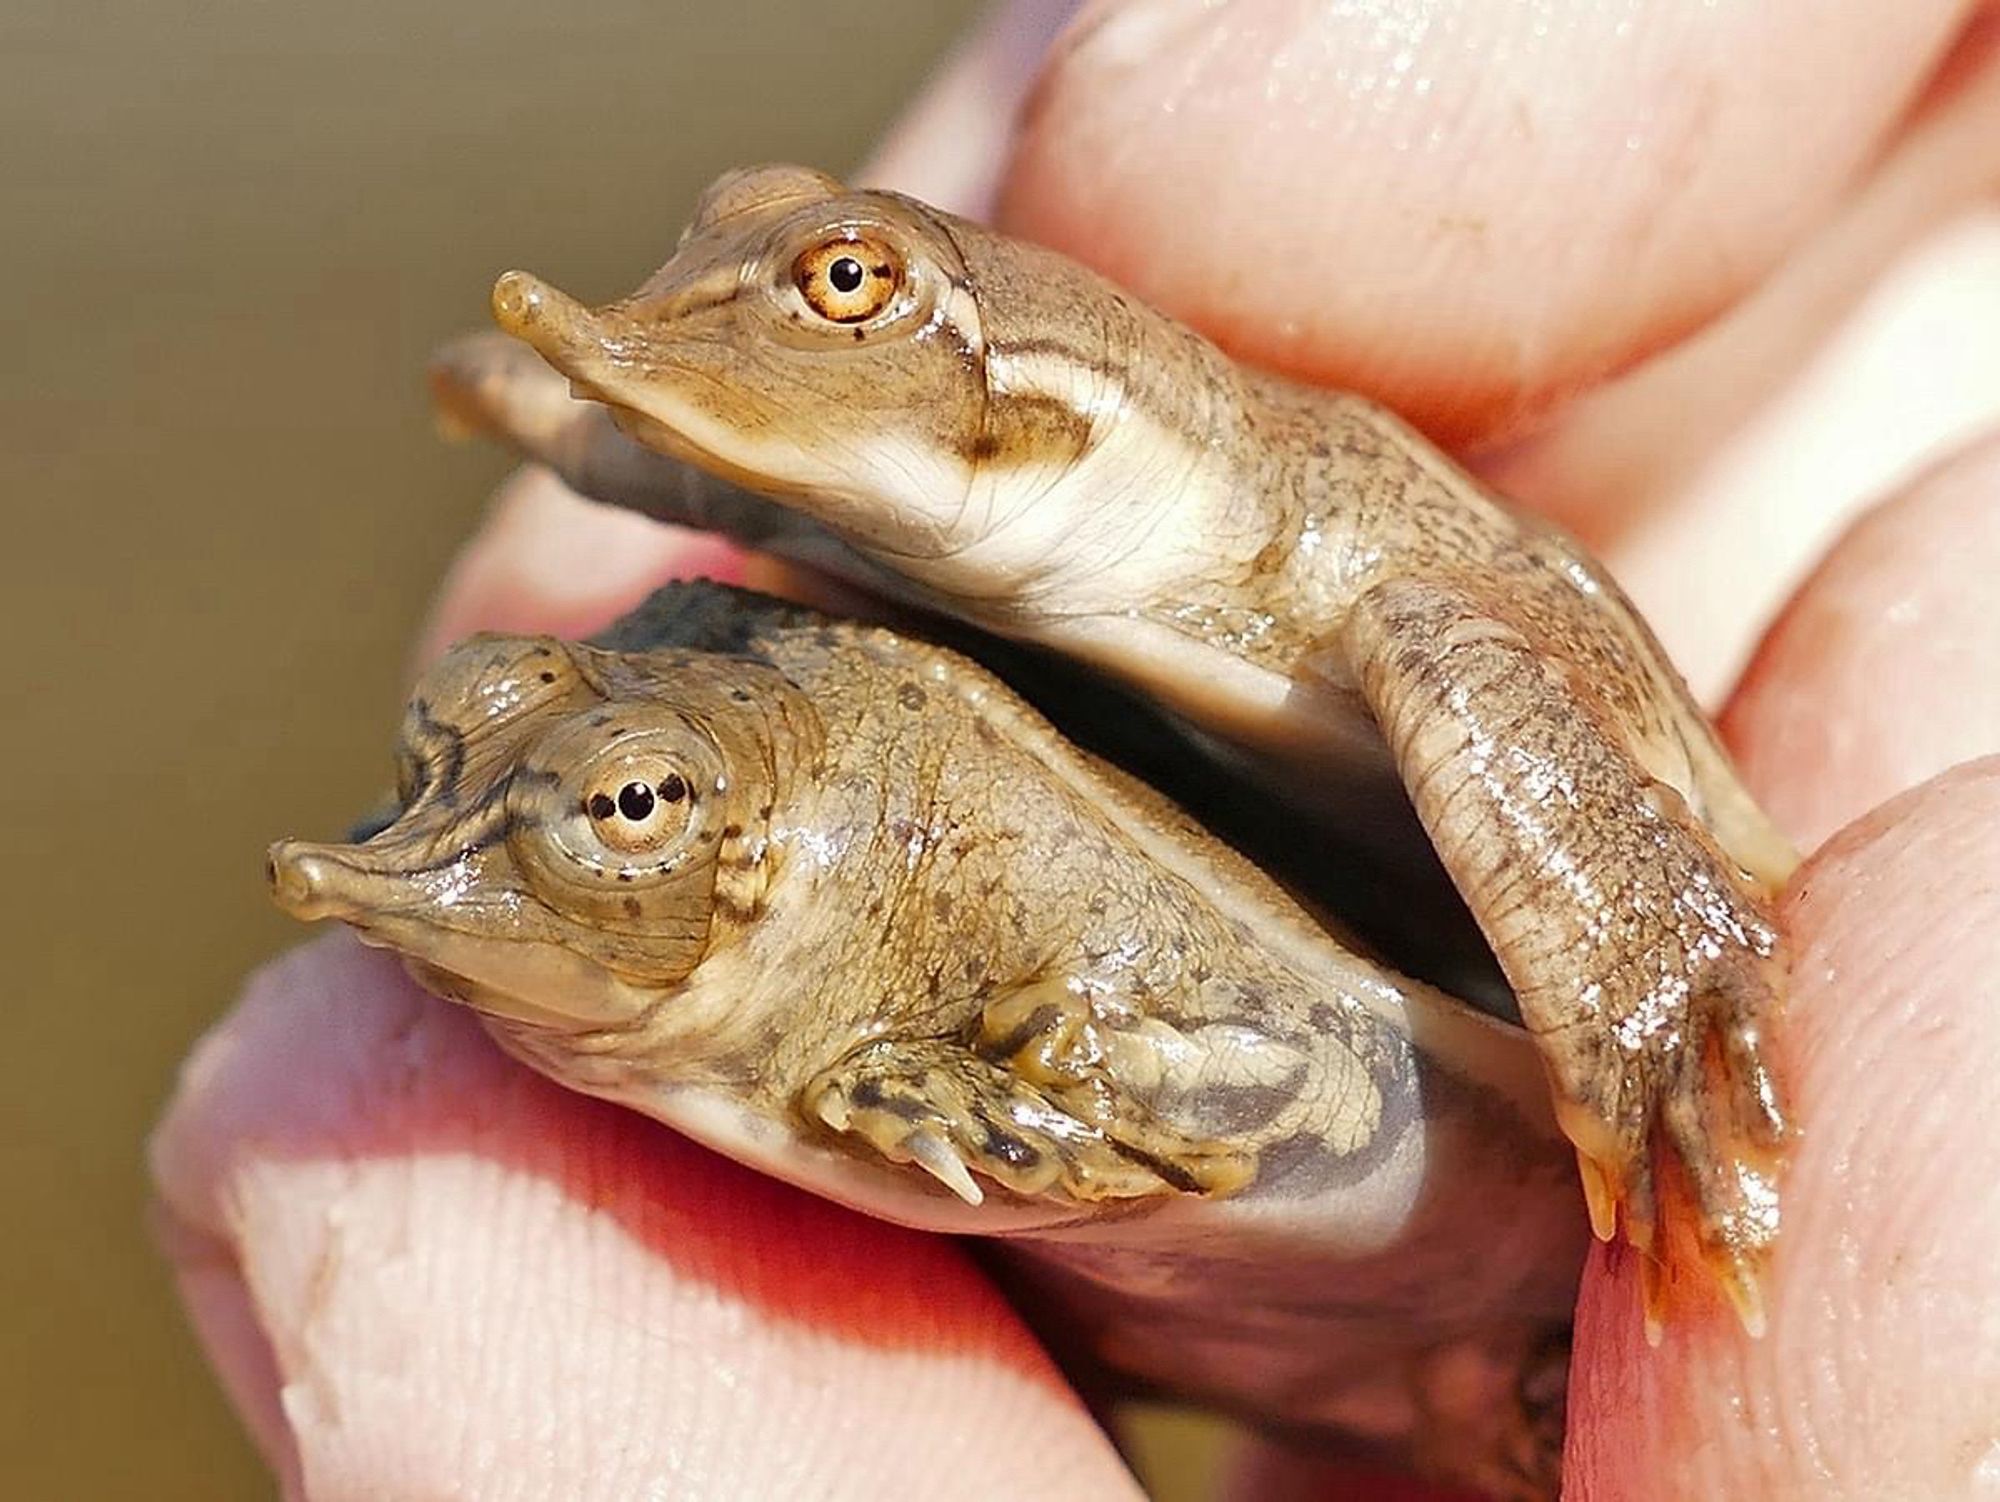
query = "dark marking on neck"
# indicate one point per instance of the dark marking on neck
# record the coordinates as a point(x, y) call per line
point(1021, 429)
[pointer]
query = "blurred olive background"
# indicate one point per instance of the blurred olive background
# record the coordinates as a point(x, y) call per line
point(230, 232)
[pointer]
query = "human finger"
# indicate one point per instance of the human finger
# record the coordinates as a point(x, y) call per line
point(949, 146)
point(1851, 359)
point(1461, 209)
point(1877, 1375)
point(1891, 1034)
point(427, 1271)
point(1880, 673)
point(546, 560)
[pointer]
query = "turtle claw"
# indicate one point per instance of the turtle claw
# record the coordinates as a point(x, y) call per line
point(924, 1103)
point(899, 1125)
point(939, 1106)
point(1723, 1124)
point(1622, 1205)
point(1599, 1198)
point(1733, 1274)
point(1744, 1290)
point(1701, 1129)
point(934, 1155)
point(830, 1106)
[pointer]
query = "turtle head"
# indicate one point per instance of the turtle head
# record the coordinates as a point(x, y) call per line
point(807, 340)
point(564, 815)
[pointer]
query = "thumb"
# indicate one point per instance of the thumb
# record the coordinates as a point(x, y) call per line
point(424, 1271)
point(1879, 1375)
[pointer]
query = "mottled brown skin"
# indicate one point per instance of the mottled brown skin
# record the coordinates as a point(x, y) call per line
point(1294, 571)
point(839, 903)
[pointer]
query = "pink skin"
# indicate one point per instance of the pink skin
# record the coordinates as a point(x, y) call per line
point(1871, 681)
point(422, 1271)
point(1438, 258)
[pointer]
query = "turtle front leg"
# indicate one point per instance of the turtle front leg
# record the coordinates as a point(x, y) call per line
point(1645, 961)
point(1026, 1102)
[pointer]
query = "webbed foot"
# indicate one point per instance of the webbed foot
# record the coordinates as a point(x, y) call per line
point(1643, 955)
point(956, 1113)
point(1686, 1132)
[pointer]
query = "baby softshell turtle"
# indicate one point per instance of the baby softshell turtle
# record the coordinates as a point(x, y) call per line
point(1225, 1155)
point(991, 430)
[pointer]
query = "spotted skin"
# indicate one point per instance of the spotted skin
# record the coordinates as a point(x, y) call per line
point(915, 951)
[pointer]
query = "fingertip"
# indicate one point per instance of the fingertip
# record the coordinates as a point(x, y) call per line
point(219, 1307)
point(1465, 211)
point(547, 560)
point(466, 1281)
point(1884, 1272)
point(950, 145)
point(1879, 673)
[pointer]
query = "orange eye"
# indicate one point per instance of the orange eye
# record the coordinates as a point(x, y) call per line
point(848, 280)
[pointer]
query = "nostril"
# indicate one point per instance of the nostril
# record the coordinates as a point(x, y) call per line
point(513, 294)
point(519, 300)
point(297, 874)
point(282, 875)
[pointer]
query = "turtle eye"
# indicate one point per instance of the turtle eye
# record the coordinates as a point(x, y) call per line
point(848, 279)
point(636, 809)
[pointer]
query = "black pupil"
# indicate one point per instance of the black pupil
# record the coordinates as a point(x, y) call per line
point(845, 274)
point(635, 801)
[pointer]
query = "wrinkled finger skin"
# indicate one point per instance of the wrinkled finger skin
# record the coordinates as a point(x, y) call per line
point(1879, 1375)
